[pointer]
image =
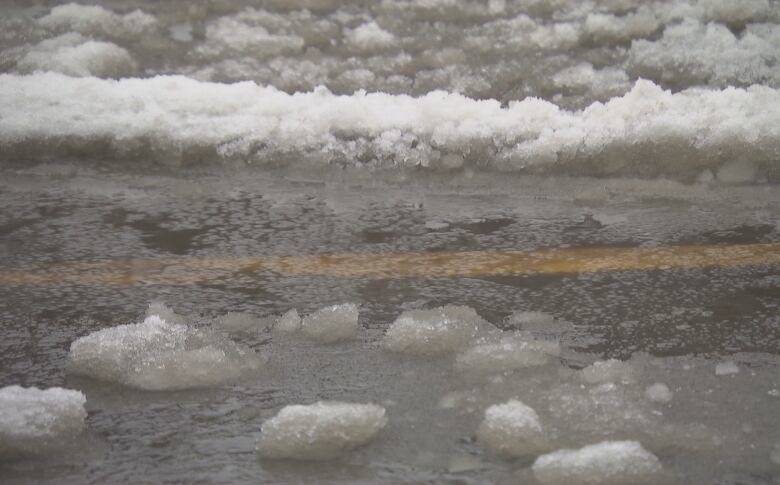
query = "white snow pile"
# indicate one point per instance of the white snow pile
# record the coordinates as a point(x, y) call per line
point(511, 430)
point(647, 132)
point(435, 332)
point(34, 420)
point(320, 431)
point(157, 355)
point(605, 463)
point(74, 55)
point(96, 20)
point(509, 353)
point(330, 324)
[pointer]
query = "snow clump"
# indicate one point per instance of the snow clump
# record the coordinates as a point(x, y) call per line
point(34, 420)
point(435, 332)
point(511, 429)
point(320, 431)
point(608, 462)
point(158, 355)
point(332, 324)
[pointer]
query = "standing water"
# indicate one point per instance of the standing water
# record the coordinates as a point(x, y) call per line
point(439, 241)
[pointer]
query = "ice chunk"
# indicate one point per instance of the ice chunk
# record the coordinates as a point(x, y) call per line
point(608, 462)
point(512, 429)
point(320, 431)
point(726, 368)
point(242, 323)
point(611, 370)
point(251, 32)
point(435, 332)
point(34, 420)
point(509, 353)
point(157, 355)
point(659, 392)
point(74, 55)
point(331, 324)
point(290, 322)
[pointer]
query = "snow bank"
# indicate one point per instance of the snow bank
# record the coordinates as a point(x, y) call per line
point(331, 324)
point(34, 420)
point(435, 332)
point(608, 462)
point(157, 355)
point(647, 132)
point(511, 430)
point(320, 431)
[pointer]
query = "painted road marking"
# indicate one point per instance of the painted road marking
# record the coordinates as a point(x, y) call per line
point(184, 271)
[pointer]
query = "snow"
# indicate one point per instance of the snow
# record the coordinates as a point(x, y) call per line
point(320, 431)
point(289, 322)
point(608, 462)
point(659, 392)
point(74, 55)
point(97, 20)
point(512, 430)
point(157, 355)
point(174, 114)
point(331, 324)
point(34, 420)
point(726, 368)
point(611, 370)
point(435, 332)
point(511, 352)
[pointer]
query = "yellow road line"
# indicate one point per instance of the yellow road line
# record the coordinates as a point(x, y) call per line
point(400, 265)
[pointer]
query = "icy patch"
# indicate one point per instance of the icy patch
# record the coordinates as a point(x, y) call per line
point(320, 431)
point(157, 355)
point(331, 324)
point(608, 462)
point(611, 370)
point(96, 20)
point(726, 368)
point(290, 322)
point(34, 420)
point(435, 332)
point(74, 55)
point(510, 353)
point(659, 392)
point(511, 430)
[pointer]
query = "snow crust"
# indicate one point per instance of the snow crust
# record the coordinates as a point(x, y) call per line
point(320, 431)
point(608, 462)
point(157, 355)
point(511, 430)
point(435, 332)
point(34, 420)
point(177, 116)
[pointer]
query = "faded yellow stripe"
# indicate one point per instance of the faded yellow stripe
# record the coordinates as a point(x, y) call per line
point(399, 265)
